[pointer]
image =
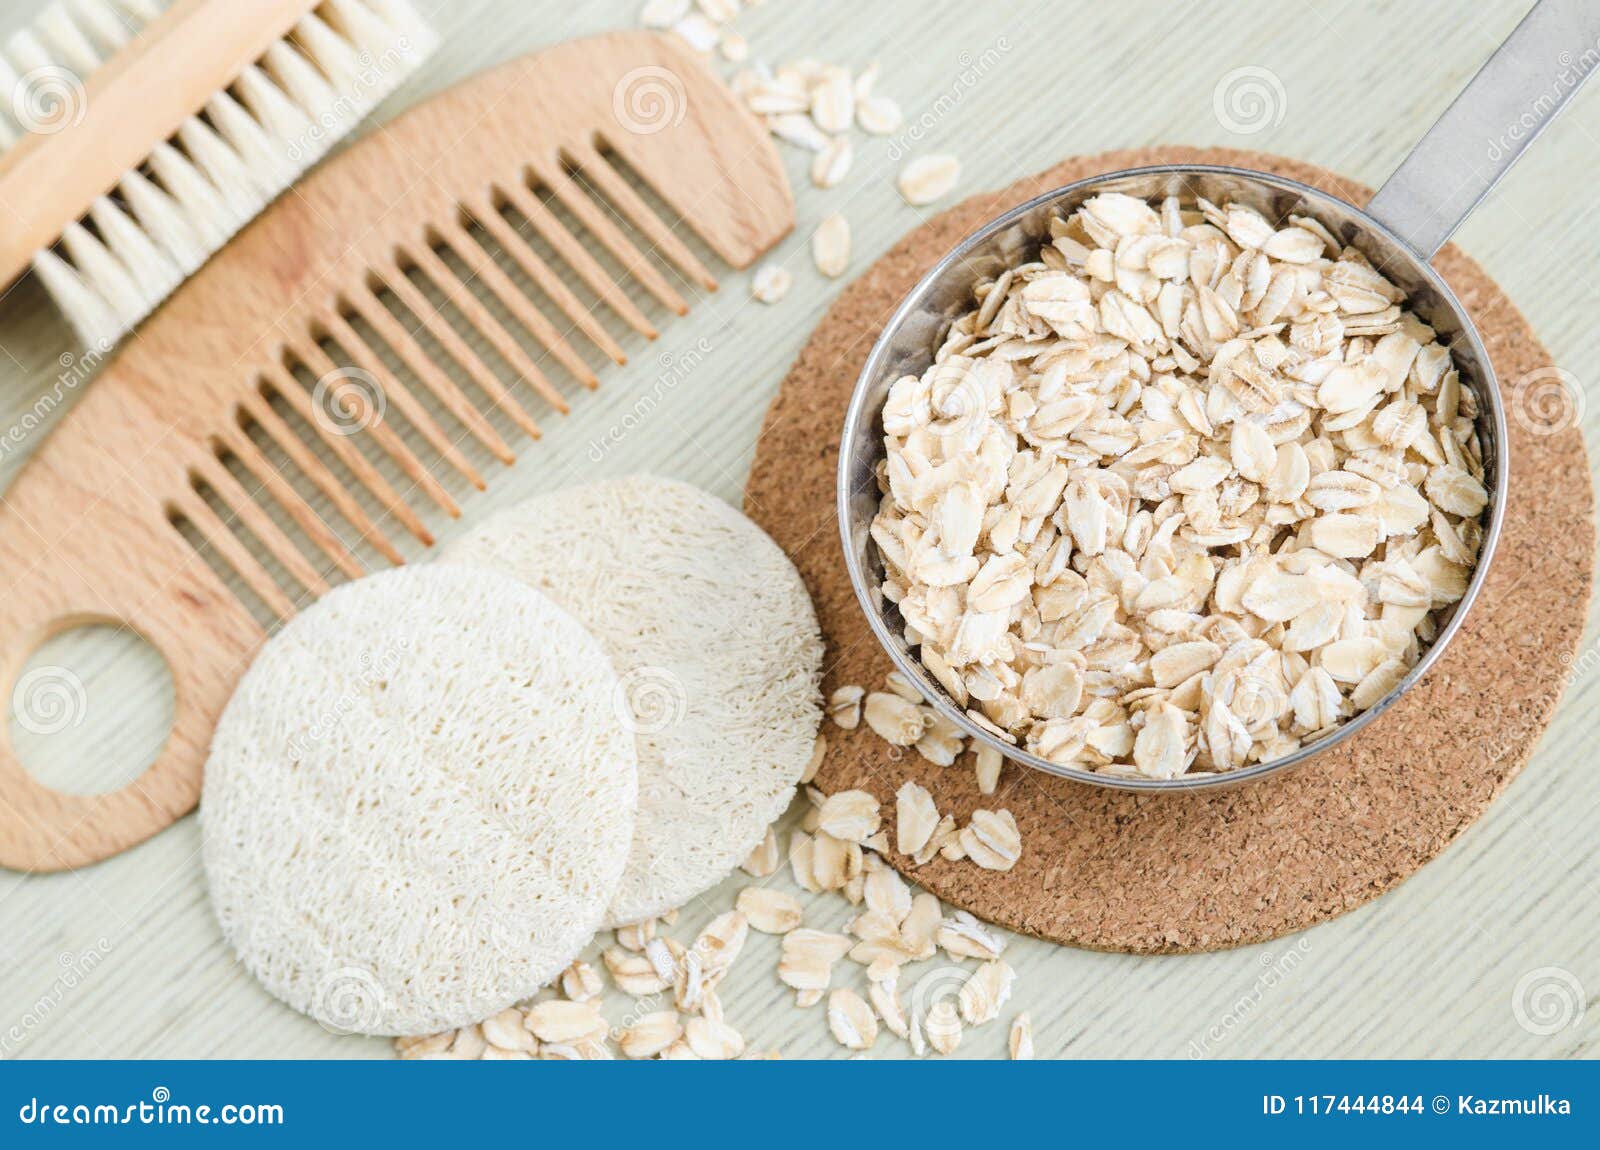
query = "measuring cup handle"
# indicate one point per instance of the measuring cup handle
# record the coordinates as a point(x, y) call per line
point(1516, 93)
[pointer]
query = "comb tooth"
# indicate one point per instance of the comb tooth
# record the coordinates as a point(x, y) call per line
point(476, 314)
point(633, 261)
point(245, 450)
point(565, 245)
point(226, 544)
point(368, 361)
point(393, 332)
point(599, 172)
point(549, 283)
point(306, 460)
point(317, 360)
point(449, 339)
point(489, 273)
point(247, 511)
point(295, 394)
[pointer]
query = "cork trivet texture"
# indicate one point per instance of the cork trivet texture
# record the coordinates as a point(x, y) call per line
point(1110, 870)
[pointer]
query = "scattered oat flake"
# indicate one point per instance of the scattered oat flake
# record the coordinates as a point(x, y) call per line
point(942, 1026)
point(1019, 1042)
point(507, 1030)
point(915, 817)
point(807, 957)
point(831, 165)
point(765, 860)
point(819, 751)
point(581, 982)
point(879, 115)
point(558, 1020)
point(894, 719)
point(798, 129)
point(650, 1035)
point(663, 13)
point(844, 707)
point(987, 763)
point(713, 1040)
point(849, 815)
point(771, 282)
point(851, 1020)
point(833, 103)
point(985, 992)
point(885, 998)
point(830, 246)
point(768, 910)
point(928, 178)
point(991, 840)
point(698, 32)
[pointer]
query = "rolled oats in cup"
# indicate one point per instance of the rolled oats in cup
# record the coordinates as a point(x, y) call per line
point(1186, 493)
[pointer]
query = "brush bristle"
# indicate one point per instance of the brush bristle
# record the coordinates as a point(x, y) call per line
point(222, 167)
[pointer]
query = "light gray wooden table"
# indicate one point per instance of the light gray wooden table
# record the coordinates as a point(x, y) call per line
point(1491, 950)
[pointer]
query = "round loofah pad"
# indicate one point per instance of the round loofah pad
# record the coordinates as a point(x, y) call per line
point(1161, 873)
point(419, 801)
point(716, 644)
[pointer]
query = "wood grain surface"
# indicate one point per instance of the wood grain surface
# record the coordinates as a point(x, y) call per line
point(123, 958)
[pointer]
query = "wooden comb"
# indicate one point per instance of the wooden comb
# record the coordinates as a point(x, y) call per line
point(588, 145)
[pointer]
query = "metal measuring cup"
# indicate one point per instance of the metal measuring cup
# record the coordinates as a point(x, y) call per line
point(1512, 98)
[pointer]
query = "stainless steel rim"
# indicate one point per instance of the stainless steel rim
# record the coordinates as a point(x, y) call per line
point(858, 412)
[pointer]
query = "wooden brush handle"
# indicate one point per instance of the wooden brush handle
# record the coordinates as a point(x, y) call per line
point(192, 51)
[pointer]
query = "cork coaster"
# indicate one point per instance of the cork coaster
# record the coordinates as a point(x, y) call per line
point(1170, 873)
